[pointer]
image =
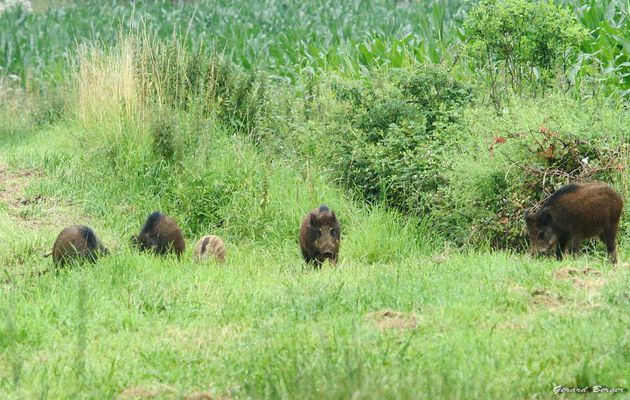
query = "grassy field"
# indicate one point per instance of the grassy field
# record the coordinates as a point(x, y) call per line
point(393, 321)
point(373, 108)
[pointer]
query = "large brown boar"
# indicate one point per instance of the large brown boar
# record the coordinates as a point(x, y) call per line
point(160, 235)
point(320, 235)
point(573, 213)
point(77, 243)
point(209, 246)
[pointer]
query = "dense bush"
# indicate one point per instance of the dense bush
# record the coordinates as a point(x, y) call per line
point(402, 130)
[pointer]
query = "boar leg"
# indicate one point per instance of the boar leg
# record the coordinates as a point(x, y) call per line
point(562, 247)
point(576, 243)
point(608, 237)
point(306, 256)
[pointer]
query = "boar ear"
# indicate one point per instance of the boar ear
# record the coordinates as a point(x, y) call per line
point(313, 221)
point(334, 217)
point(528, 216)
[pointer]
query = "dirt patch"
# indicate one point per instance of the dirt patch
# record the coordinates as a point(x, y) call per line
point(565, 273)
point(439, 259)
point(200, 396)
point(570, 272)
point(13, 183)
point(582, 278)
point(34, 211)
point(543, 298)
point(163, 392)
point(139, 392)
point(33, 200)
point(588, 271)
point(589, 285)
point(389, 319)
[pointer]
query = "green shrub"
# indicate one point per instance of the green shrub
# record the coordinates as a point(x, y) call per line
point(520, 44)
point(401, 134)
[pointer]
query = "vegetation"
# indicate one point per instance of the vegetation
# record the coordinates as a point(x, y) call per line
point(429, 127)
point(521, 43)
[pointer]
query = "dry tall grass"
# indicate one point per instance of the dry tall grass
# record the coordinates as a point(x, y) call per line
point(108, 102)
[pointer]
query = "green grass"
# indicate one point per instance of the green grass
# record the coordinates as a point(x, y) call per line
point(264, 327)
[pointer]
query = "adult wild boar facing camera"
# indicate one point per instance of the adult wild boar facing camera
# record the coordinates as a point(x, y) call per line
point(320, 235)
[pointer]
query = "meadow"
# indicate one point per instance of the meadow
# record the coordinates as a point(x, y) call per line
point(429, 132)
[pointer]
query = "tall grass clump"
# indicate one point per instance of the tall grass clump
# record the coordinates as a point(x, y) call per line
point(141, 112)
point(133, 95)
point(107, 104)
point(201, 82)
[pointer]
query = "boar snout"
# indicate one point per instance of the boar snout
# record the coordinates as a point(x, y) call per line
point(329, 254)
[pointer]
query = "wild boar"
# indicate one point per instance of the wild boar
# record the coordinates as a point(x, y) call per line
point(209, 246)
point(320, 235)
point(573, 213)
point(160, 235)
point(77, 243)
